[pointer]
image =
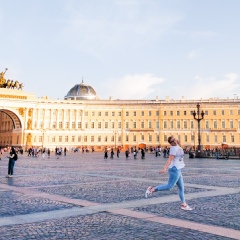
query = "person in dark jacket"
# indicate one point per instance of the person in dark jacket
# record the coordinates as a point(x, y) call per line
point(12, 158)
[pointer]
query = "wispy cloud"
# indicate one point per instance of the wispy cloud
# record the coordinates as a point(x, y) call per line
point(194, 54)
point(136, 86)
point(213, 87)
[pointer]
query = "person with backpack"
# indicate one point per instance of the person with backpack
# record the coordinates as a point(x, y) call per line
point(12, 158)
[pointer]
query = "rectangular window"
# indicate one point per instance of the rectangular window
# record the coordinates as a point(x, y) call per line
point(93, 114)
point(171, 124)
point(150, 124)
point(215, 124)
point(54, 139)
point(222, 112)
point(142, 124)
point(73, 125)
point(86, 114)
point(67, 124)
point(207, 138)
point(99, 125)
point(119, 124)
point(238, 112)
point(73, 138)
point(79, 125)
point(134, 113)
point(206, 112)
point(99, 114)
point(206, 124)
point(127, 114)
point(113, 125)
point(232, 138)
point(86, 124)
point(215, 138)
point(214, 112)
point(106, 114)
point(54, 125)
point(157, 124)
point(92, 124)
point(224, 138)
point(164, 113)
point(127, 138)
point(106, 124)
point(178, 113)
point(150, 113)
point(184, 113)
point(142, 113)
point(79, 138)
point(92, 138)
point(231, 124)
point(185, 138)
point(165, 124)
point(171, 113)
point(150, 138)
point(119, 138)
point(113, 114)
point(192, 124)
point(157, 138)
point(85, 138)
point(127, 125)
point(60, 139)
point(230, 112)
point(165, 138)
point(119, 114)
point(185, 124)
point(178, 124)
point(99, 138)
point(157, 113)
point(134, 138)
point(142, 137)
point(223, 124)
point(134, 124)
point(112, 138)
point(66, 138)
point(105, 139)
point(40, 139)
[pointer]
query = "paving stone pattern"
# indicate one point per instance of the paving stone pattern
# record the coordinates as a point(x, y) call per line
point(73, 198)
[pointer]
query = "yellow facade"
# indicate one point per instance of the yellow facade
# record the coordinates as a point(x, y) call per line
point(28, 121)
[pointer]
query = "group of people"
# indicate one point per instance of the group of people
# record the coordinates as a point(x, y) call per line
point(174, 165)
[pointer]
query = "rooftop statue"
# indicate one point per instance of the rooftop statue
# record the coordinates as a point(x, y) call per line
point(9, 83)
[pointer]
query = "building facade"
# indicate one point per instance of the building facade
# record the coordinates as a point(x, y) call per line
point(84, 120)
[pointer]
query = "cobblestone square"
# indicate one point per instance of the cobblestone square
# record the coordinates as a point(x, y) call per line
point(83, 196)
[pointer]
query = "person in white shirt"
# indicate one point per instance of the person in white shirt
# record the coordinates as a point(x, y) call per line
point(174, 165)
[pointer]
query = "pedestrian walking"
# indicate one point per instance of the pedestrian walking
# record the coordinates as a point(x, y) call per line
point(12, 158)
point(48, 153)
point(65, 152)
point(118, 152)
point(174, 165)
point(112, 153)
point(105, 154)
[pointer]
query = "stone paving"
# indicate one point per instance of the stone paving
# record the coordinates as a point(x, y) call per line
point(83, 196)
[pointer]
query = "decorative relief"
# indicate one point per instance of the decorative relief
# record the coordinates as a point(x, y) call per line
point(29, 138)
point(29, 124)
point(21, 111)
point(30, 112)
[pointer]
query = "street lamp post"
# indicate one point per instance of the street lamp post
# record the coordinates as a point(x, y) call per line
point(198, 117)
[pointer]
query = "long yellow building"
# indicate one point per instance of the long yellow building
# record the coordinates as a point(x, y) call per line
point(82, 119)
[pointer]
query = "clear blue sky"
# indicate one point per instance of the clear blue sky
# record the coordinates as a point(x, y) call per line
point(128, 49)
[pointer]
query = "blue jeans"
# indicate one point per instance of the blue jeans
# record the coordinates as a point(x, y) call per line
point(175, 177)
point(11, 163)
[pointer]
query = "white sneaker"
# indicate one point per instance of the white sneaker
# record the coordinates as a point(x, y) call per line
point(148, 192)
point(186, 208)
